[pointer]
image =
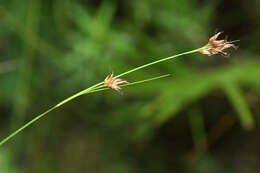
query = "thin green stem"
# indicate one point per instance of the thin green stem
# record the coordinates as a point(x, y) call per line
point(132, 83)
point(26, 125)
point(88, 90)
point(99, 87)
point(158, 61)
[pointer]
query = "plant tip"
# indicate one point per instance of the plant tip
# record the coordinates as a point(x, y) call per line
point(217, 47)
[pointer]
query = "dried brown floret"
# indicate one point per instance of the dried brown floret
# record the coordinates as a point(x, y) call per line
point(114, 83)
point(215, 46)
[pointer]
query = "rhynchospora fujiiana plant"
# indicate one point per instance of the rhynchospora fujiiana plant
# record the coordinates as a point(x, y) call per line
point(214, 47)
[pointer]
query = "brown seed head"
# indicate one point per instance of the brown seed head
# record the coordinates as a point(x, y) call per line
point(215, 47)
point(113, 83)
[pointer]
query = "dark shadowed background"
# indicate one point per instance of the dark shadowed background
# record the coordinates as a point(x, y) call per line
point(204, 118)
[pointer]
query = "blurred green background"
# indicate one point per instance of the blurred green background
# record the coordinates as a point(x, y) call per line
point(204, 118)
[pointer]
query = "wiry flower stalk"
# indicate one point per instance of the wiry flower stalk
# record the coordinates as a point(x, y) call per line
point(212, 48)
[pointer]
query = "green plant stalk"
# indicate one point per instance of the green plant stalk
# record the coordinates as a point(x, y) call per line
point(132, 83)
point(98, 87)
point(160, 60)
point(86, 91)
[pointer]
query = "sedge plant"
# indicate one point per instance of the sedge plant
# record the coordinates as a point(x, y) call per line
point(212, 48)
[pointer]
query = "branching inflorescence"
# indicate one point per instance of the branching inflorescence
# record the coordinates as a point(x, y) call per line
point(214, 47)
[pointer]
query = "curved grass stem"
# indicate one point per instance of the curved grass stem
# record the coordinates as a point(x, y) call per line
point(158, 61)
point(99, 87)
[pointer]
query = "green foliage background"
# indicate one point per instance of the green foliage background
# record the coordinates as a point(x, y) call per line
point(204, 118)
